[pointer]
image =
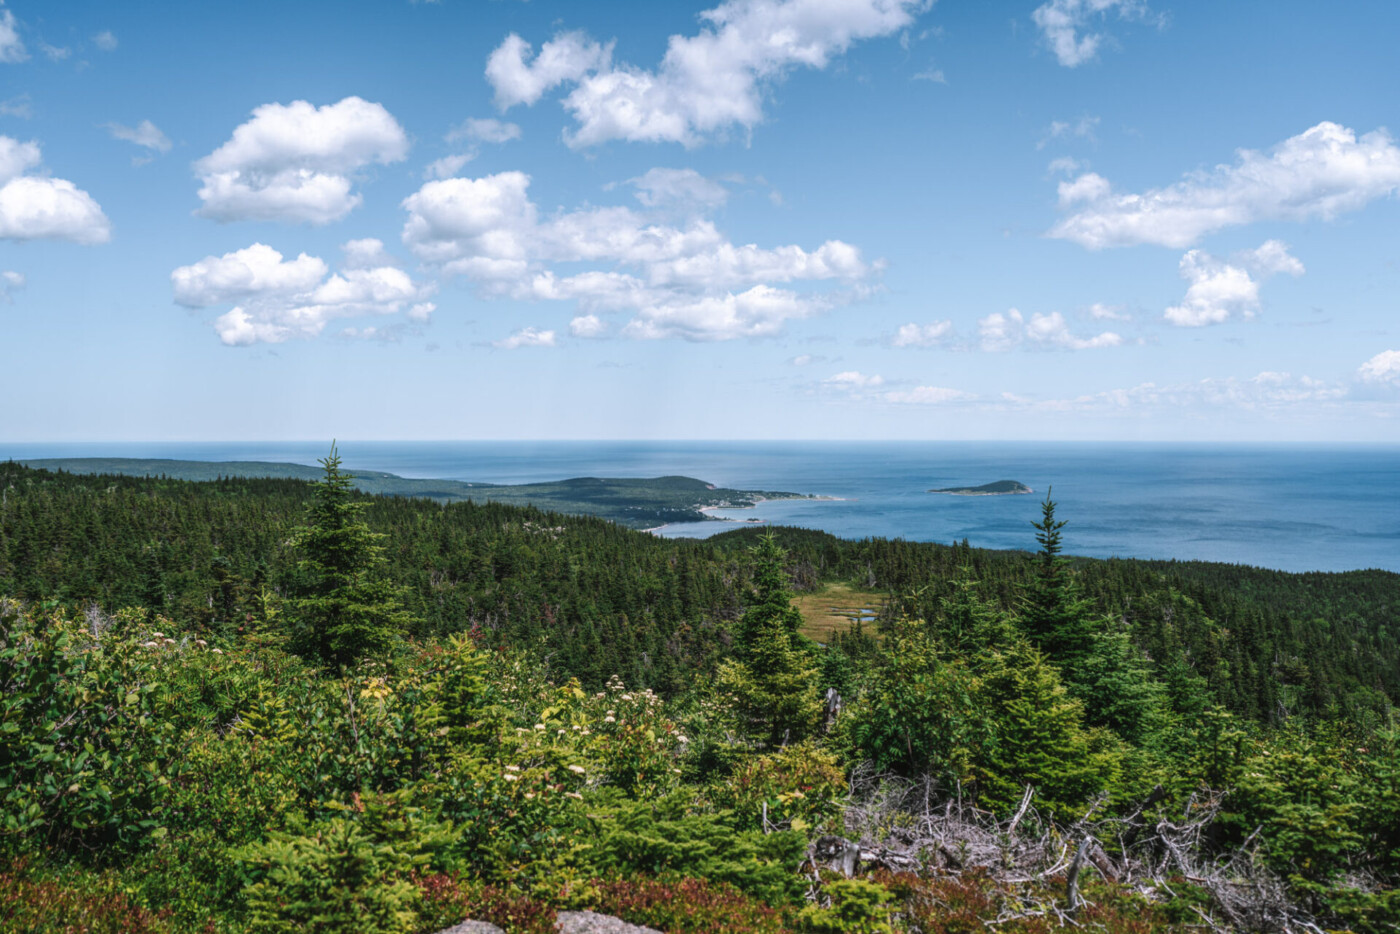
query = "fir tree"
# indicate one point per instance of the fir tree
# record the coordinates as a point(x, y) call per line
point(1054, 611)
point(343, 609)
point(770, 599)
point(774, 679)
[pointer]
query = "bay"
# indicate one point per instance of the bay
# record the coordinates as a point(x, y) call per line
point(1289, 507)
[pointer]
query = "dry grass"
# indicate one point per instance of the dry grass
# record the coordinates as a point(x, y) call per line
point(835, 608)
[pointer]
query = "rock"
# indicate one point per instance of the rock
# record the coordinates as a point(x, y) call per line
point(590, 922)
point(570, 922)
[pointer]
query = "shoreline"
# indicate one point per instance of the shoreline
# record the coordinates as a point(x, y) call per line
point(757, 499)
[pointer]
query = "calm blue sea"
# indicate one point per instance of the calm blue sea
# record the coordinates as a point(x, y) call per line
point(1291, 507)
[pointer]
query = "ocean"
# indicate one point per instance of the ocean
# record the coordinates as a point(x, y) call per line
point(1289, 507)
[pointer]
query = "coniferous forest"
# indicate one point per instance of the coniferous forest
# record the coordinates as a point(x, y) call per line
point(275, 705)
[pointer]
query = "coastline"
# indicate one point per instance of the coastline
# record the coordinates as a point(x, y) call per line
point(706, 510)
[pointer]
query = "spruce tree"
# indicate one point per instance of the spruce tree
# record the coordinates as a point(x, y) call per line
point(774, 679)
point(343, 609)
point(1054, 611)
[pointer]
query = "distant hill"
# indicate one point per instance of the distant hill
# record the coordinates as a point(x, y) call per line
point(999, 488)
point(634, 502)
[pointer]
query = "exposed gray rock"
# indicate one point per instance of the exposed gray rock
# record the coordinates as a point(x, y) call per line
point(570, 922)
point(590, 922)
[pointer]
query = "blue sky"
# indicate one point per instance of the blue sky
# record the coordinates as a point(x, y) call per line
point(767, 219)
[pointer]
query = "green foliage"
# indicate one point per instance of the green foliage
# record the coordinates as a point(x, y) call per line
point(1055, 612)
point(669, 836)
point(686, 906)
point(856, 906)
point(800, 787)
point(448, 899)
point(919, 713)
point(773, 679)
point(76, 901)
point(1039, 738)
point(86, 750)
point(552, 732)
point(338, 879)
point(343, 609)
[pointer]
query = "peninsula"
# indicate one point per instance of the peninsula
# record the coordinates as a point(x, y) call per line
point(999, 488)
point(637, 503)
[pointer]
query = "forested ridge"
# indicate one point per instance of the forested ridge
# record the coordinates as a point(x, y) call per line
point(605, 600)
point(268, 704)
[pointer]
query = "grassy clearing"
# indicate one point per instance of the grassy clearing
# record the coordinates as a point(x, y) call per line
point(835, 608)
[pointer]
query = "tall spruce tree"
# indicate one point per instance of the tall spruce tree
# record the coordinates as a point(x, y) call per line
point(1056, 615)
point(343, 609)
point(774, 678)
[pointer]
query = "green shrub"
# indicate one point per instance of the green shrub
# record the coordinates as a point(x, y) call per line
point(85, 753)
point(856, 907)
point(338, 880)
point(800, 786)
point(72, 902)
point(667, 837)
point(448, 900)
point(686, 906)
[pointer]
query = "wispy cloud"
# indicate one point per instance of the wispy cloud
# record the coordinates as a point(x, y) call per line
point(1320, 173)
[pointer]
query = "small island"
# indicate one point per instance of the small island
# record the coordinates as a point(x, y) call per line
point(999, 488)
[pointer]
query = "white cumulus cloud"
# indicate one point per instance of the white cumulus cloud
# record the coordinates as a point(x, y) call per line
point(1064, 26)
point(105, 41)
point(587, 326)
point(526, 337)
point(565, 58)
point(676, 280)
point(35, 207)
point(1003, 331)
point(296, 162)
point(705, 83)
point(922, 335)
point(1101, 312)
point(1320, 173)
point(1220, 290)
point(366, 253)
point(1384, 367)
point(276, 299)
point(854, 379)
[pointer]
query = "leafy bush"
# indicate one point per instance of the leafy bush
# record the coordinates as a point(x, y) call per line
point(75, 902)
point(687, 906)
point(800, 786)
point(85, 755)
point(448, 900)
